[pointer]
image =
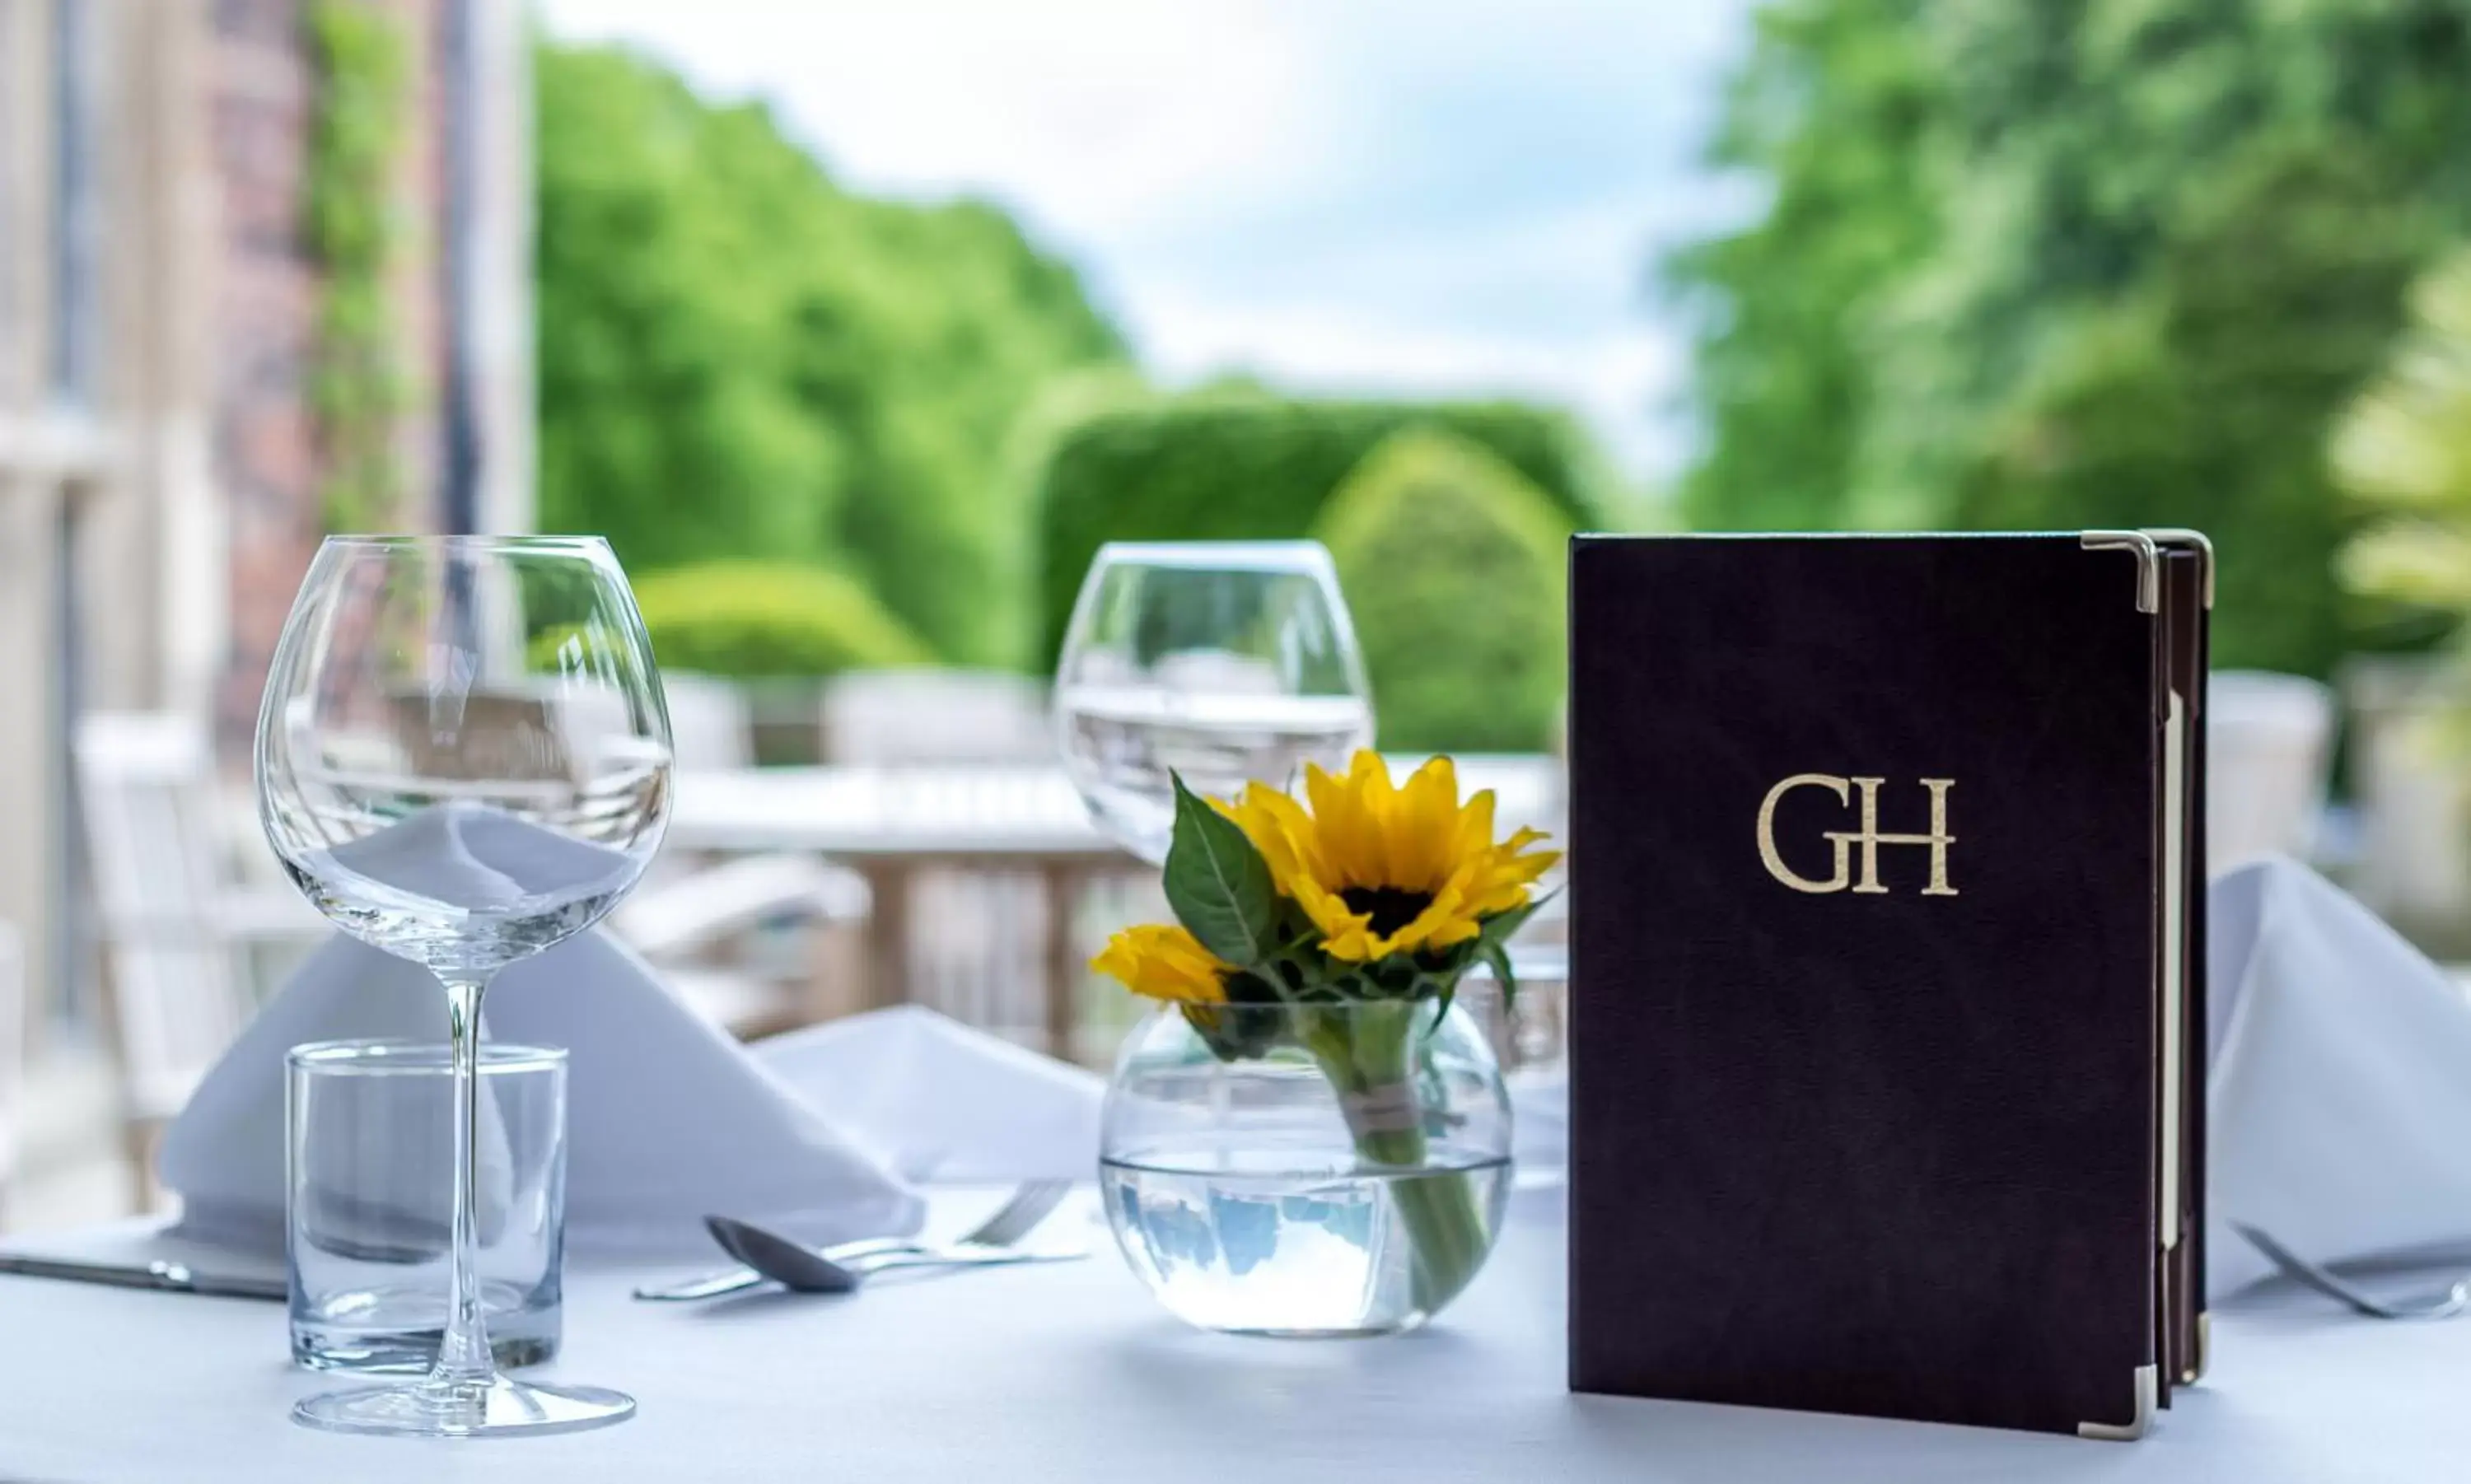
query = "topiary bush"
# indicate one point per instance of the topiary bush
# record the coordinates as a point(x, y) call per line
point(1246, 464)
point(1454, 566)
point(757, 620)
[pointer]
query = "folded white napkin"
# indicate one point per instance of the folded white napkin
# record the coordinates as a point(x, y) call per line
point(666, 1117)
point(476, 857)
point(943, 1101)
point(2339, 1093)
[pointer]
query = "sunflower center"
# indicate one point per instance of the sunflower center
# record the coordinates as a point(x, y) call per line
point(1391, 908)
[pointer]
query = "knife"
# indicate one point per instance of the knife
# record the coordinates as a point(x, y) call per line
point(166, 1277)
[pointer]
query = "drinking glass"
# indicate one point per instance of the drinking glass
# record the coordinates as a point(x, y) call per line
point(463, 758)
point(1221, 661)
point(366, 1211)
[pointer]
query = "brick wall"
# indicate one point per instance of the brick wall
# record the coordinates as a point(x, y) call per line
point(261, 88)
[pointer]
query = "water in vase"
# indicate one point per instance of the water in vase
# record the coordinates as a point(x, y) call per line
point(1274, 1251)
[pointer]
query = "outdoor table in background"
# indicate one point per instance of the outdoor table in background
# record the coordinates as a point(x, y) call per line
point(892, 823)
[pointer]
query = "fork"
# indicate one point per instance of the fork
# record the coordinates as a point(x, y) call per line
point(2441, 1306)
point(1015, 1219)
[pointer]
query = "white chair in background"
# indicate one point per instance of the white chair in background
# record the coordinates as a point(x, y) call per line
point(175, 928)
point(688, 916)
point(2408, 772)
point(2268, 749)
point(976, 934)
point(896, 716)
point(711, 726)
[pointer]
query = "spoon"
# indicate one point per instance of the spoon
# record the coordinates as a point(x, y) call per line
point(802, 1269)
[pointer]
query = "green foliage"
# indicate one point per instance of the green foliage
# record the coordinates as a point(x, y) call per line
point(2405, 449)
point(762, 619)
point(1453, 565)
point(1830, 112)
point(738, 358)
point(2117, 263)
point(356, 128)
point(2203, 400)
point(1218, 885)
point(1241, 464)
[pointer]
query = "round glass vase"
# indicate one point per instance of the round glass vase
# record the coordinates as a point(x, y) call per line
point(1323, 1170)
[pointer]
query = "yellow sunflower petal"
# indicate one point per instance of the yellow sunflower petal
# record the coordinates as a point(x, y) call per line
point(1328, 911)
point(1163, 962)
point(1471, 829)
point(1423, 829)
point(1347, 812)
point(1257, 814)
point(1378, 798)
point(1357, 830)
point(1444, 922)
point(1304, 842)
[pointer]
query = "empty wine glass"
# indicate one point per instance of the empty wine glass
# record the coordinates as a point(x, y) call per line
point(1221, 661)
point(463, 758)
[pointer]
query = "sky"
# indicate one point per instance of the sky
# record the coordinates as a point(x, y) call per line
point(1373, 196)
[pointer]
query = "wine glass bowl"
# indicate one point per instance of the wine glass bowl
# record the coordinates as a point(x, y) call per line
point(463, 759)
point(1218, 662)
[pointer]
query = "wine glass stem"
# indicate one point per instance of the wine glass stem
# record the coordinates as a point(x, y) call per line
point(464, 1356)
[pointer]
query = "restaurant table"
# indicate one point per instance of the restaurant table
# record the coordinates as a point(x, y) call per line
point(890, 824)
point(1069, 1373)
point(893, 824)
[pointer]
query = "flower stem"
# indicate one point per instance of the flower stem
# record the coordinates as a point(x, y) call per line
point(1371, 1060)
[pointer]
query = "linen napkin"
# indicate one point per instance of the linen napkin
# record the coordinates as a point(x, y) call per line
point(2339, 1095)
point(666, 1117)
point(476, 857)
point(945, 1102)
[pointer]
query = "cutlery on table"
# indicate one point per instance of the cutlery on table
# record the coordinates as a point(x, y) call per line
point(1013, 1220)
point(2438, 1306)
point(162, 1276)
point(802, 1269)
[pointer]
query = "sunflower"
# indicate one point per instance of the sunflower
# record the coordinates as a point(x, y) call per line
point(1164, 962)
point(1383, 870)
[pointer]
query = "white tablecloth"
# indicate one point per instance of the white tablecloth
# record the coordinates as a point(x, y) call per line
point(1069, 1373)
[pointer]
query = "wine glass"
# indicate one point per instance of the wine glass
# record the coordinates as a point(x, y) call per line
point(463, 758)
point(1221, 661)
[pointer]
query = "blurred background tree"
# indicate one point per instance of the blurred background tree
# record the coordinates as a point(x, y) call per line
point(759, 620)
point(2405, 450)
point(1454, 566)
point(738, 358)
point(831, 432)
point(2116, 263)
point(1239, 463)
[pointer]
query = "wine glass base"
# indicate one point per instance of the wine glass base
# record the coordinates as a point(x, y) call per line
point(498, 1408)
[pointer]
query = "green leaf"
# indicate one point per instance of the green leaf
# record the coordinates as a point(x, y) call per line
point(1218, 884)
point(1496, 931)
point(1503, 975)
point(1492, 945)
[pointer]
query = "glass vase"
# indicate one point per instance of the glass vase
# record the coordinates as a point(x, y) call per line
point(1323, 1170)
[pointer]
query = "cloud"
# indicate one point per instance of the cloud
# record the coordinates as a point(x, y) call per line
point(1095, 118)
point(1372, 197)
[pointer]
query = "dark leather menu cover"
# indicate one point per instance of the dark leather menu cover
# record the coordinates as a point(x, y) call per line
point(2187, 607)
point(1867, 965)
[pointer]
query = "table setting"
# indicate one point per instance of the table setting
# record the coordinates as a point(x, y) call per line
point(491, 1181)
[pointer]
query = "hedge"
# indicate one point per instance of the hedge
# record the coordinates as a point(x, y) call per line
point(1218, 465)
point(757, 620)
point(1453, 565)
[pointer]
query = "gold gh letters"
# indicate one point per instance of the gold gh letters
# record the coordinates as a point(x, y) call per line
point(1867, 837)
